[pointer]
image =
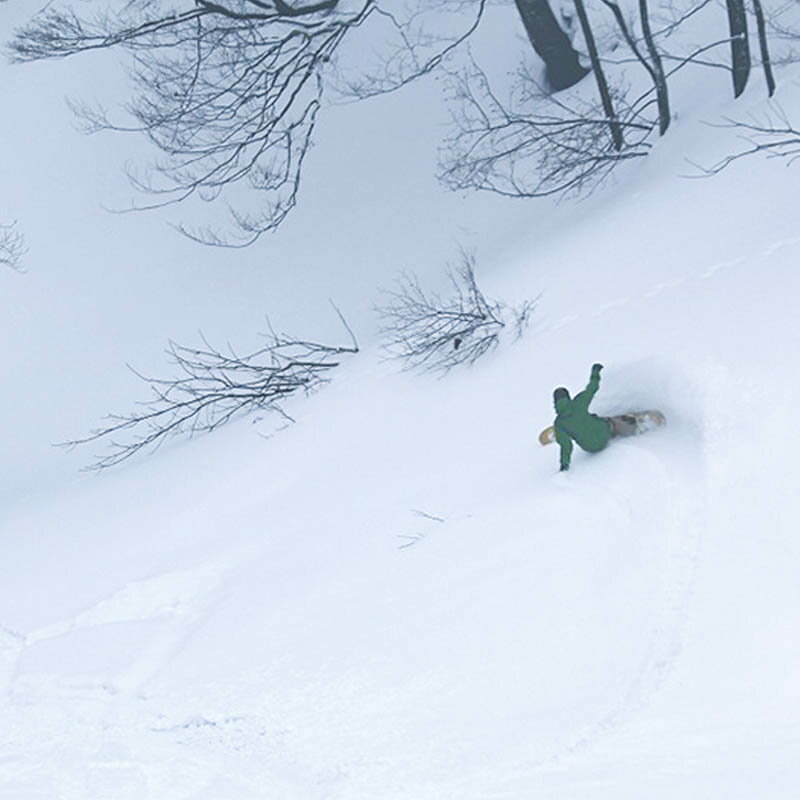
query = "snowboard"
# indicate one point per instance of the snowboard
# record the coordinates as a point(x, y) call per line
point(643, 420)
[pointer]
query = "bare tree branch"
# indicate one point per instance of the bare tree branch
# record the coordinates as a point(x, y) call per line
point(12, 246)
point(434, 333)
point(416, 51)
point(212, 387)
point(772, 135)
point(228, 91)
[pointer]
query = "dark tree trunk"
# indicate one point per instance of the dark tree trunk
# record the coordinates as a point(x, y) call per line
point(551, 44)
point(740, 48)
point(657, 72)
point(762, 42)
point(602, 84)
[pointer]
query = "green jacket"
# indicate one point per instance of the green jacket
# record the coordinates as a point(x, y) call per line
point(574, 422)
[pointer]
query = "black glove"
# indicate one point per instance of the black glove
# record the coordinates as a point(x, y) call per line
point(596, 369)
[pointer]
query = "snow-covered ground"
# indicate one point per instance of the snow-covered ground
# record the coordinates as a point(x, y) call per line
point(399, 597)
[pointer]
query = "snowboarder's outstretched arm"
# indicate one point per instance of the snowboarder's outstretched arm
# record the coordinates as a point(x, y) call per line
point(582, 399)
point(565, 442)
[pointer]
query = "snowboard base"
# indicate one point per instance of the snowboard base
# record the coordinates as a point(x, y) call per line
point(632, 424)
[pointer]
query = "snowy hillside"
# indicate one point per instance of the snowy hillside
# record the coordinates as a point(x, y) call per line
point(399, 597)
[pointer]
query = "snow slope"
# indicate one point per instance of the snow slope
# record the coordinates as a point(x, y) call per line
point(399, 597)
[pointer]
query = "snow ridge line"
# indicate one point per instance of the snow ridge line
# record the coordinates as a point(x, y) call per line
point(658, 288)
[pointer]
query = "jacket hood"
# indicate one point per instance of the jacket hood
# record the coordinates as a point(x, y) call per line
point(561, 400)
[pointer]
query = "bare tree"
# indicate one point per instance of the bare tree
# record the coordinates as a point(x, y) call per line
point(12, 246)
point(600, 77)
point(656, 69)
point(737, 42)
point(435, 333)
point(533, 144)
point(212, 387)
point(653, 64)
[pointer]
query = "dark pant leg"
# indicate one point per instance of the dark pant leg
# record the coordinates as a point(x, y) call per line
point(622, 425)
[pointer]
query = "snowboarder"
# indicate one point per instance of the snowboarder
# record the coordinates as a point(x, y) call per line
point(591, 432)
point(575, 423)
